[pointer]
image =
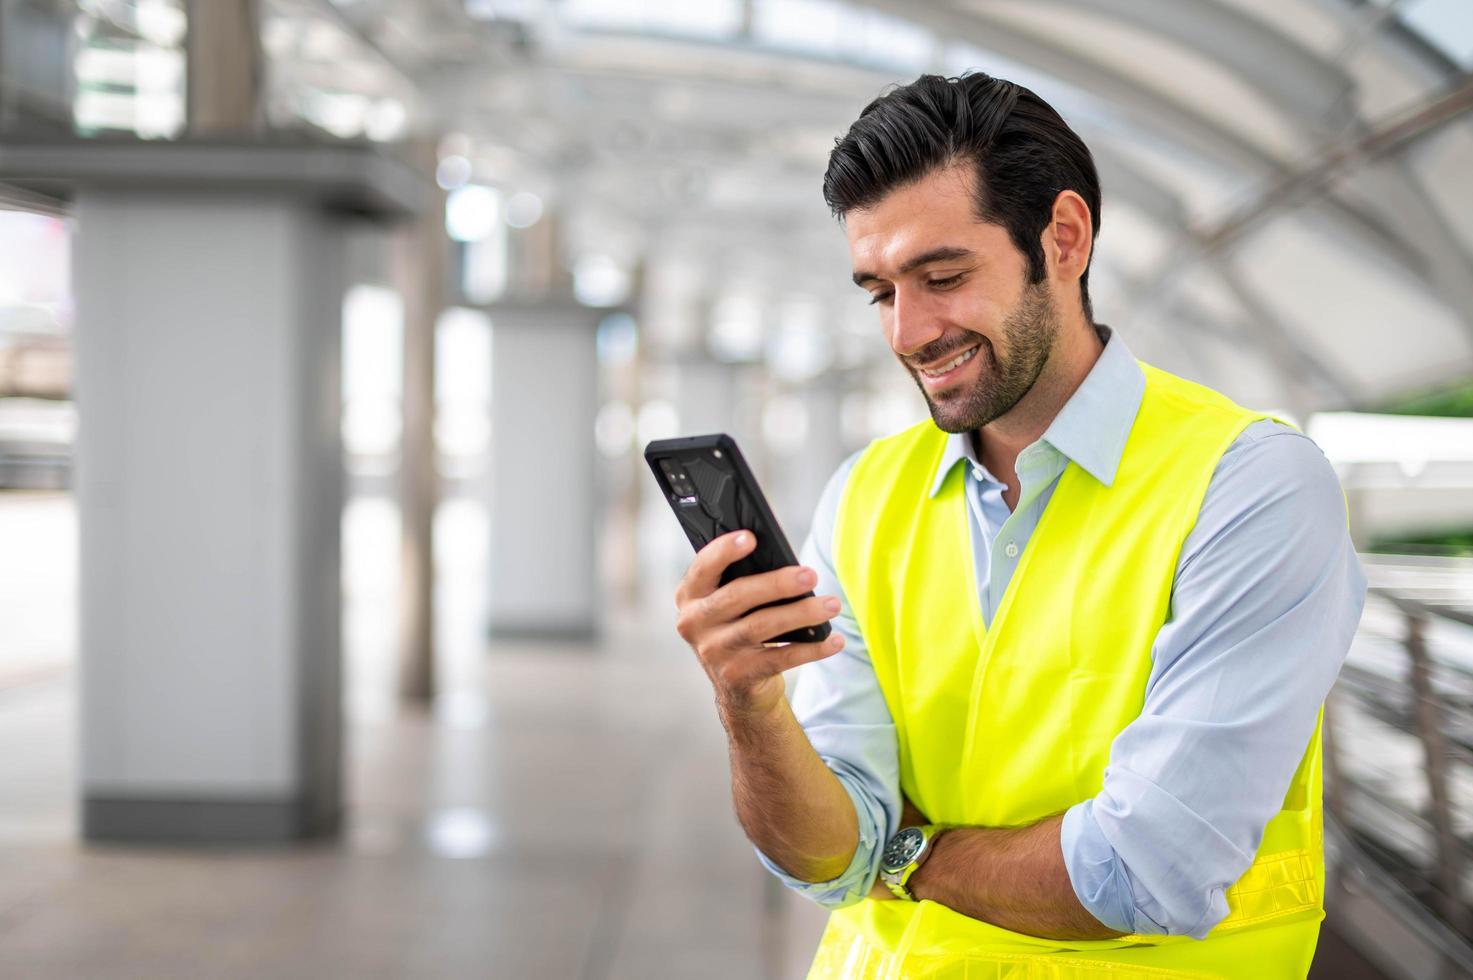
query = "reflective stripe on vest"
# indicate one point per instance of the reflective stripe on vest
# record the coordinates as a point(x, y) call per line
point(1004, 726)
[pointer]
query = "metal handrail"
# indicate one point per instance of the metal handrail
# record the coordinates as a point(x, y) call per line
point(1429, 716)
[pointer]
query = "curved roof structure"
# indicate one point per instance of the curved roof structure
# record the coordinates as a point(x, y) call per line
point(1287, 213)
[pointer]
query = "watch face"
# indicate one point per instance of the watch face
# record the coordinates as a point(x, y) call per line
point(902, 849)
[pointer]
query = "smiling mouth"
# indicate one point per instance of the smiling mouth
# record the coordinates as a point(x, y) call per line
point(941, 370)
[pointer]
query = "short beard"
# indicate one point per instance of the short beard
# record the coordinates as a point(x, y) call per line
point(1029, 332)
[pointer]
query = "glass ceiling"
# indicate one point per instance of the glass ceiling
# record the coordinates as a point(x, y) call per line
point(1284, 189)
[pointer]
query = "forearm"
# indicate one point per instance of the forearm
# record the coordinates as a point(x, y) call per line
point(792, 807)
point(1013, 877)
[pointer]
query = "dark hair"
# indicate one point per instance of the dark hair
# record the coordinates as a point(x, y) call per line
point(1023, 152)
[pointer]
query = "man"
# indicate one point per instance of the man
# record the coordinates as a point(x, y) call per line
point(1067, 724)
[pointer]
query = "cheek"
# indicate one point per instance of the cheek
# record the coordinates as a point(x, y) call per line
point(976, 311)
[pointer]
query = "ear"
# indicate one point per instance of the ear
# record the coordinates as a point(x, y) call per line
point(1068, 239)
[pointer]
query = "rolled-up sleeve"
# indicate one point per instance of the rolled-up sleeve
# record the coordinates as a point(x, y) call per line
point(843, 712)
point(1267, 597)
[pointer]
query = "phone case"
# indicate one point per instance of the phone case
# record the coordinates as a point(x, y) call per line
point(721, 496)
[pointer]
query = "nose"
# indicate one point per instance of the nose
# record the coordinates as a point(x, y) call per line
point(913, 324)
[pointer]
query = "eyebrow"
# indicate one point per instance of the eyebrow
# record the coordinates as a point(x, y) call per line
point(940, 254)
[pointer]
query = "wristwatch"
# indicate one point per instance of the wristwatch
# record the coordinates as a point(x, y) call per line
point(904, 853)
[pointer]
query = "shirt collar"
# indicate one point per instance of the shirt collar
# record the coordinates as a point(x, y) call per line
point(1094, 423)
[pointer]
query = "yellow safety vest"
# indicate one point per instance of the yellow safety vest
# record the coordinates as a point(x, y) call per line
point(1003, 726)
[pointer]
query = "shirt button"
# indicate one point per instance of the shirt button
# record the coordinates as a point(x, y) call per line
point(1011, 550)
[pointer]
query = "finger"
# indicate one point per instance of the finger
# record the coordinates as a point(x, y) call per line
point(779, 659)
point(740, 668)
point(762, 625)
point(704, 575)
point(740, 596)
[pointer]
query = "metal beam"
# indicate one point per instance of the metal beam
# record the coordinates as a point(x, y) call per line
point(1449, 263)
point(1310, 182)
point(1293, 78)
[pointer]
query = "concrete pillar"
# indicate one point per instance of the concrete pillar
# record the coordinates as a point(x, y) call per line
point(209, 477)
point(224, 68)
point(422, 265)
point(208, 498)
point(544, 382)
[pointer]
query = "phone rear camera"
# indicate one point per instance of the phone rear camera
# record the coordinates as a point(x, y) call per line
point(680, 481)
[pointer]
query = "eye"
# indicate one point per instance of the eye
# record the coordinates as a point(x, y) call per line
point(879, 298)
point(946, 283)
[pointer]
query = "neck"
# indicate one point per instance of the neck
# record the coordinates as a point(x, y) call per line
point(1000, 441)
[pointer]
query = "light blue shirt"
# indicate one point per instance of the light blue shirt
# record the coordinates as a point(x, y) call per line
point(1266, 598)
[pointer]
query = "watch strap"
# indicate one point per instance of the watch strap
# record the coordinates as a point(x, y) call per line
point(896, 880)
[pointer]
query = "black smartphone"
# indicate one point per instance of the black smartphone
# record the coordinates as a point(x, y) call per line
point(712, 492)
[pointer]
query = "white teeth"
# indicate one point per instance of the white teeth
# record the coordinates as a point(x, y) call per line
point(955, 362)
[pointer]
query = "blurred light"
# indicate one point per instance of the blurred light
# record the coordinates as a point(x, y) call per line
point(736, 329)
point(617, 339)
point(708, 19)
point(463, 383)
point(471, 212)
point(386, 120)
point(462, 710)
point(657, 420)
point(322, 42)
point(613, 429)
point(111, 65)
point(807, 25)
point(523, 209)
point(599, 281)
point(453, 173)
point(785, 424)
point(460, 832)
point(799, 349)
point(462, 430)
point(160, 21)
point(373, 365)
point(463, 356)
point(278, 36)
point(342, 114)
point(1409, 441)
point(485, 269)
point(372, 426)
point(455, 145)
point(373, 323)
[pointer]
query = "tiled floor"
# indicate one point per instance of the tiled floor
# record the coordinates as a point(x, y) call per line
point(564, 814)
point(583, 831)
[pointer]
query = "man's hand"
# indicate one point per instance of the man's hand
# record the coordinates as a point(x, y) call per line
point(788, 801)
point(727, 630)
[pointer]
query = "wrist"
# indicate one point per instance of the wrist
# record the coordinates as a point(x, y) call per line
point(905, 854)
point(923, 880)
point(747, 721)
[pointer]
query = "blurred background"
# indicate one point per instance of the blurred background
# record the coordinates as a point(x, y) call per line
point(336, 633)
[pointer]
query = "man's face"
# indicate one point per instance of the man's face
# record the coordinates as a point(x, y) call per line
point(954, 298)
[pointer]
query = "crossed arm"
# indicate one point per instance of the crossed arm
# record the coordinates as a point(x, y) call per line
point(1014, 878)
point(1010, 877)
